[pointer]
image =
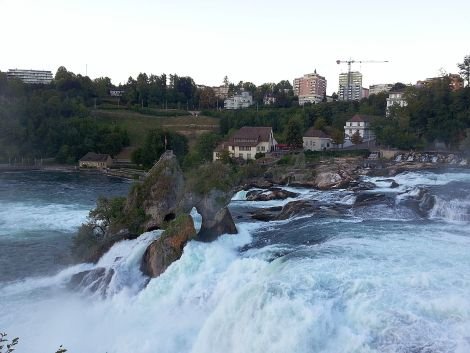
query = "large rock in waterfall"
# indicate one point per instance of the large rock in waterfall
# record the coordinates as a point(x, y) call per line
point(168, 248)
point(160, 194)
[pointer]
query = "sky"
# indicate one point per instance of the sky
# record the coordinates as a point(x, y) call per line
point(257, 41)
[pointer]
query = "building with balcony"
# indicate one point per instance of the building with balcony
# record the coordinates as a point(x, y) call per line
point(311, 88)
point(395, 98)
point(239, 101)
point(33, 77)
point(360, 124)
point(350, 86)
point(247, 142)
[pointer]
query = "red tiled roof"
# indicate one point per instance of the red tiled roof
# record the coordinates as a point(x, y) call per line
point(312, 132)
point(251, 136)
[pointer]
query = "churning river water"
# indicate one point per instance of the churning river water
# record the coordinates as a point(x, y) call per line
point(380, 277)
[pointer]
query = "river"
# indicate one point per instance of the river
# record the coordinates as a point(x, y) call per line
point(378, 278)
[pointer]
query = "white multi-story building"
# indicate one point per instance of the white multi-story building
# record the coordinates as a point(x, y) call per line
point(239, 101)
point(359, 124)
point(382, 87)
point(31, 76)
point(311, 88)
point(350, 86)
point(247, 142)
point(396, 99)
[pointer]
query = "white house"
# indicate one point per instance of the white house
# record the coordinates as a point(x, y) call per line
point(239, 101)
point(396, 99)
point(316, 140)
point(247, 142)
point(361, 124)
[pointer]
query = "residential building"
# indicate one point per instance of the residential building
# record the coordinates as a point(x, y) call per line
point(365, 93)
point(269, 99)
point(395, 98)
point(221, 92)
point(361, 124)
point(379, 88)
point(239, 101)
point(350, 86)
point(95, 160)
point(116, 92)
point(316, 140)
point(247, 142)
point(455, 81)
point(31, 76)
point(311, 88)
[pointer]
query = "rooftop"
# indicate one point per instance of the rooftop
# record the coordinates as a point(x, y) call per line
point(94, 157)
point(361, 118)
point(312, 132)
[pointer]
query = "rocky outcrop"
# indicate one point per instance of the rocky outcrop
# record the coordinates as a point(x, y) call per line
point(216, 218)
point(160, 194)
point(93, 281)
point(420, 200)
point(332, 180)
point(271, 194)
point(168, 248)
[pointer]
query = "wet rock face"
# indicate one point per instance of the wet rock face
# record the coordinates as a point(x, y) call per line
point(94, 281)
point(271, 194)
point(160, 193)
point(168, 248)
point(421, 202)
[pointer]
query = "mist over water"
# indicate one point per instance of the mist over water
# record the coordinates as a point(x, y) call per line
point(377, 279)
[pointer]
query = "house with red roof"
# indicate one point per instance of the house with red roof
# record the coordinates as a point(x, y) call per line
point(247, 142)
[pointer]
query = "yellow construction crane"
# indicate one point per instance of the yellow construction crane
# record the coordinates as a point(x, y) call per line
point(350, 61)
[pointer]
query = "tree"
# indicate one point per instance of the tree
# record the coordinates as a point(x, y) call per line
point(464, 68)
point(337, 136)
point(356, 138)
point(294, 133)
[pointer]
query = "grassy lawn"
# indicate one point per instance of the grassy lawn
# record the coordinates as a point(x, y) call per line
point(138, 124)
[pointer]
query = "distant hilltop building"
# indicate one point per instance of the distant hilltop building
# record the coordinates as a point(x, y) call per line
point(239, 101)
point(311, 88)
point(379, 88)
point(396, 98)
point(456, 82)
point(350, 86)
point(31, 76)
point(221, 92)
point(116, 92)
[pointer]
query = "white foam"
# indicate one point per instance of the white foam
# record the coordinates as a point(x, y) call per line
point(17, 217)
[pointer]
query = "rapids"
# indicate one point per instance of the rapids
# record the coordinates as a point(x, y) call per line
point(380, 278)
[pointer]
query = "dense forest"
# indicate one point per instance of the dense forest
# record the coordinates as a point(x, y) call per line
point(56, 120)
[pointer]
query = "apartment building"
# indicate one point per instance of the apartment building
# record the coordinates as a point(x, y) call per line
point(239, 101)
point(311, 88)
point(350, 86)
point(31, 76)
point(379, 88)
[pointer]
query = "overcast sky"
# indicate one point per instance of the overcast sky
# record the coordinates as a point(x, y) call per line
point(258, 41)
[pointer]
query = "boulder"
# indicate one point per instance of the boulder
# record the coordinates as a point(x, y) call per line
point(421, 201)
point(271, 194)
point(168, 248)
point(266, 214)
point(296, 208)
point(332, 180)
point(367, 198)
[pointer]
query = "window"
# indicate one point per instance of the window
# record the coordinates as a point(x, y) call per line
point(263, 148)
point(248, 156)
point(240, 155)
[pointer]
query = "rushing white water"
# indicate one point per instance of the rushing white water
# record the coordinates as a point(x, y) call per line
point(370, 285)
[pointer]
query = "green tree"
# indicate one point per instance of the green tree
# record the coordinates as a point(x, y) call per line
point(356, 138)
point(293, 133)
